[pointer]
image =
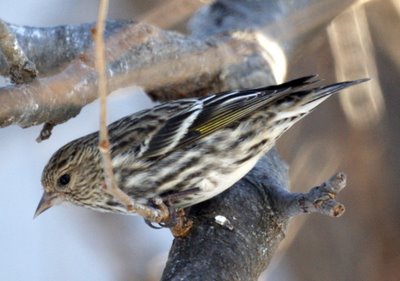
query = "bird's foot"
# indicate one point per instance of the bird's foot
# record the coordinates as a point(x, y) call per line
point(174, 219)
point(182, 224)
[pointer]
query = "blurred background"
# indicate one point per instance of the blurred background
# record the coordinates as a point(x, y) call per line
point(357, 133)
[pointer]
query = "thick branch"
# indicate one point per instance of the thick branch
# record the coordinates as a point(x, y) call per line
point(215, 252)
point(235, 234)
point(143, 55)
point(166, 64)
point(50, 48)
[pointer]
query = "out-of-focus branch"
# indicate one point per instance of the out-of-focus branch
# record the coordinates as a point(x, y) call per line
point(171, 12)
point(353, 54)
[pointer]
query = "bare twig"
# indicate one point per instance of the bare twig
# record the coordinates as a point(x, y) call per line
point(110, 185)
point(104, 144)
point(45, 133)
point(21, 69)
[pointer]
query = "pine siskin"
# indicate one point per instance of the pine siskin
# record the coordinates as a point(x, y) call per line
point(182, 152)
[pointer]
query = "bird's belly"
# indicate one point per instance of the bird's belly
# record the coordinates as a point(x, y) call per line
point(215, 182)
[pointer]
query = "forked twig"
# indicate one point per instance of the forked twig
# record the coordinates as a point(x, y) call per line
point(21, 69)
point(320, 199)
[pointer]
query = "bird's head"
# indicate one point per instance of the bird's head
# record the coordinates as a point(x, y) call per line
point(73, 174)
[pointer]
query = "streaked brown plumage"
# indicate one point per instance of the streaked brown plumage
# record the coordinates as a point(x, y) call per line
point(183, 151)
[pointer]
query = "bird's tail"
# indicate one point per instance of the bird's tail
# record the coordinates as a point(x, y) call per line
point(326, 91)
point(306, 100)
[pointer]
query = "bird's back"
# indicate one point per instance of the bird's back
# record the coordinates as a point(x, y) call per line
point(190, 150)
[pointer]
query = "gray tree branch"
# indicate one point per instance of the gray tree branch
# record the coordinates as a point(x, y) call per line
point(51, 48)
point(150, 61)
point(224, 51)
point(243, 250)
point(235, 234)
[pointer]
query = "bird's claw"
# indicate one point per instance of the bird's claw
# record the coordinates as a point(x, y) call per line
point(174, 219)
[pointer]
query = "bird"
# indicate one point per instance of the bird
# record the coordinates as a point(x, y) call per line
point(181, 152)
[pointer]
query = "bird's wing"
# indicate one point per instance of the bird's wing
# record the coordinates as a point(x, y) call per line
point(209, 114)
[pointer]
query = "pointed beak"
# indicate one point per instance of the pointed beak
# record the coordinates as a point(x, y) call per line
point(47, 201)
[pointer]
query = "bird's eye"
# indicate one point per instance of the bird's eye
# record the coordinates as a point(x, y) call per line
point(63, 180)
